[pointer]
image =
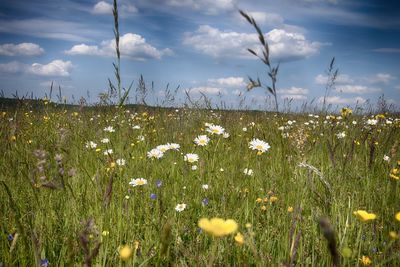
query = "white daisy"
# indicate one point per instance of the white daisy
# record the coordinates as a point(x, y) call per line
point(155, 153)
point(191, 158)
point(173, 146)
point(180, 207)
point(108, 152)
point(215, 129)
point(341, 135)
point(201, 140)
point(257, 144)
point(137, 182)
point(163, 148)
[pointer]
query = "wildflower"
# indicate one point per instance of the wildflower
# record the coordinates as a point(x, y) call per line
point(364, 216)
point(140, 138)
point(397, 216)
point(108, 152)
point(393, 235)
point(204, 202)
point(386, 158)
point(225, 135)
point(244, 129)
point(341, 135)
point(345, 112)
point(105, 233)
point(109, 129)
point(158, 183)
point(205, 186)
point(248, 172)
point(163, 148)
point(153, 196)
point(290, 209)
point(259, 200)
point(155, 153)
point(372, 122)
point(215, 129)
point(259, 145)
point(366, 261)
point(218, 227)
point(201, 140)
point(136, 127)
point(44, 262)
point(394, 173)
point(191, 158)
point(180, 207)
point(173, 146)
point(105, 140)
point(194, 167)
point(91, 144)
point(125, 253)
point(120, 162)
point(273, 199)
point(239, 238)
point(263, 208)
point(138, 181)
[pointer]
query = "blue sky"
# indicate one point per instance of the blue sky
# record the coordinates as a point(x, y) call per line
point(200, 45)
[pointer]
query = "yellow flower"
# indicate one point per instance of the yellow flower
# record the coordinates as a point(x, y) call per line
point(239, 238)
point(364, 216)
point(366, 261)
point(105, 233)
point(273, 199)
point(217, 226)
point(397, 216)
point(345, 112)
point(393, 235)
point(264, 208)
point(394, 173)
point(258, 200)
point(290, 209)
point(125, 252)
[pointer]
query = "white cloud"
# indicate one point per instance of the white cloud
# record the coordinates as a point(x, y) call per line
point(357, 89)
point(228, 82)
point(294, 91)
point(105, 8)
point(131, 45)
point(210, 7)
point(294, 97)
point(207, 90)
point(284, 46)
point(264, 18)
point(50, 28)
point(336, 100)
point(102, 7)
point(384, 78)
point(340, 79)
point(55, 68)
point(23, 49)
point(12, 67)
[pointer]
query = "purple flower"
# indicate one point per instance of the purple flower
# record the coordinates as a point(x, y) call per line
point(153, 196)
point(44, 262)
point(10, 237)
point(158, 183)
point(204, 202)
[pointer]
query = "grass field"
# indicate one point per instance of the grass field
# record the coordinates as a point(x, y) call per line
point(71, 192)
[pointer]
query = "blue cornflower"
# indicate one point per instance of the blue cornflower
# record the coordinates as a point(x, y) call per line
point(204, 202)
point(153, 196)
point(44, 262)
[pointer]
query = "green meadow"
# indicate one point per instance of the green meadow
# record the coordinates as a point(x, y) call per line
point(109, 186)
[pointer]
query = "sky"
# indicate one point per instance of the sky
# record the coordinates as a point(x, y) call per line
point(201, 46)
